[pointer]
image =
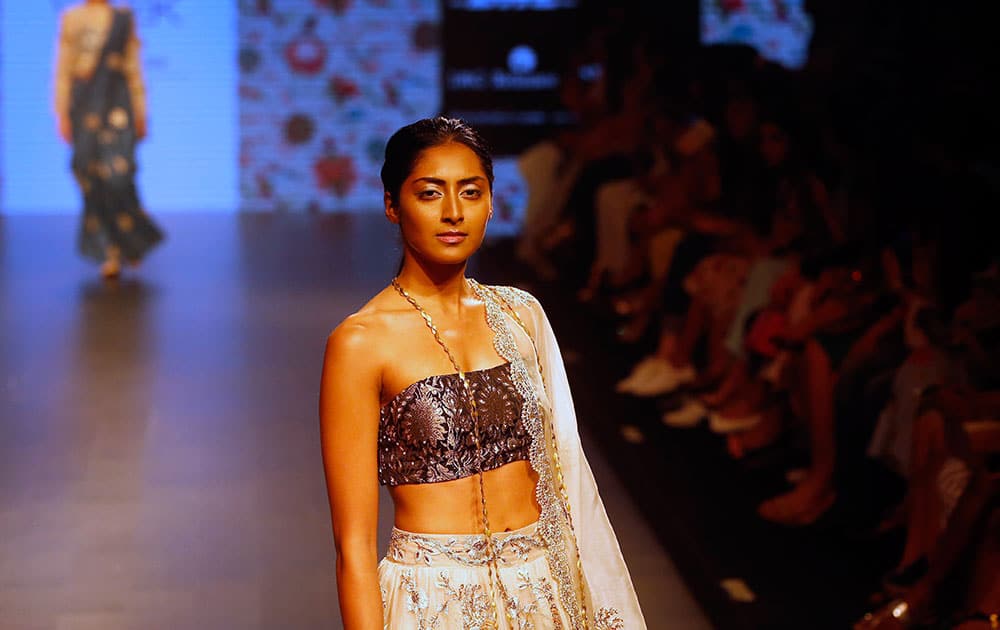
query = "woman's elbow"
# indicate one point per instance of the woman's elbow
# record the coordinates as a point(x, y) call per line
point(356, 552)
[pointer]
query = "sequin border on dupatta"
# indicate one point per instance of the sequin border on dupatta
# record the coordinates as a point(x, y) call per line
point(553, 510)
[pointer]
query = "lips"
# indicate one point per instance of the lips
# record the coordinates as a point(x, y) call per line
point(452, 237)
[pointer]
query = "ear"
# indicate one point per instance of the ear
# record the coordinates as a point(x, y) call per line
point(391, 211)
point(489, 215)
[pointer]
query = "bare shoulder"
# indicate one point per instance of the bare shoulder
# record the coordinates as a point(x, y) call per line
point(355, 333)
point(352, 334)
point(364, 332)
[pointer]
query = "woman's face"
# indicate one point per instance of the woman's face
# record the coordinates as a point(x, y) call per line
point(773, 144)
point(443, 206)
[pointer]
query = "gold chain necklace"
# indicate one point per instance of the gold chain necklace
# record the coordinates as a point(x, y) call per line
point(492, 563)
point(555, 447)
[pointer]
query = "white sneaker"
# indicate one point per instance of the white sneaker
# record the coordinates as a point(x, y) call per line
point(665, 379)
point(724, 424)
point(689, 415)
point(641, 370)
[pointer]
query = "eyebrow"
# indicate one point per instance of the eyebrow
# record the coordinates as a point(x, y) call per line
point(475, 179)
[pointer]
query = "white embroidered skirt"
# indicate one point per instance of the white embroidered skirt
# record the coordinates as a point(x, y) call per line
point(442, 582)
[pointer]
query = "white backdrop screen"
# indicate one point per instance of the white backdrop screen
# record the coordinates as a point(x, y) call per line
point(187, 162)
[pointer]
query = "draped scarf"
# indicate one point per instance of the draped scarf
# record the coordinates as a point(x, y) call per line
point(582, 550)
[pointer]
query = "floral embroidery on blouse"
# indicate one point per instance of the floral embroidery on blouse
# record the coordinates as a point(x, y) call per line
point(426, 432)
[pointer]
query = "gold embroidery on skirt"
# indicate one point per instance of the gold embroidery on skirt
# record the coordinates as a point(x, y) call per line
point(441, 582)
point(470, 550)
point(471, 602)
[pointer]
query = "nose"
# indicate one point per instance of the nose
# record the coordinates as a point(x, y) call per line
point(451, 210)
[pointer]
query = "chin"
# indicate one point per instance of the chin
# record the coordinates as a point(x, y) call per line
point(445, 259)
point(452, 260)
point(452, 253)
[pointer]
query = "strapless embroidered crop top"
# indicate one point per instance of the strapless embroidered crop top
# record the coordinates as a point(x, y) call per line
point(425, 433)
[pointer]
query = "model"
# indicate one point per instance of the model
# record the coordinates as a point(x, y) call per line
point(100, 106)
point(453, 394)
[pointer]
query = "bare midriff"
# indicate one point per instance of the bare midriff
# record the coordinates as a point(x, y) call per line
point(454, 507)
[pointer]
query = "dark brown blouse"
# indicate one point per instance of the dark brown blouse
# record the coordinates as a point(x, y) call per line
point(425, 432)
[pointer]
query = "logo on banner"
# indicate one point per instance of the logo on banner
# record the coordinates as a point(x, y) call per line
point(520, 75)
point(522, 60)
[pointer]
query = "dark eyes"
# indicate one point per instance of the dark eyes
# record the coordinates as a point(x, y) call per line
point(432, 193)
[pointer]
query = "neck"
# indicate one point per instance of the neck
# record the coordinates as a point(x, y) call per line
point(446, 286)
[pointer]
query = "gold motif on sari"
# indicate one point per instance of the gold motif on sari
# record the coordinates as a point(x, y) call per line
point(118, 118)
point(125, 222)
point(119, 164)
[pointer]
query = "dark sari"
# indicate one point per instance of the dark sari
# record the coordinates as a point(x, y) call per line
point(104, 139)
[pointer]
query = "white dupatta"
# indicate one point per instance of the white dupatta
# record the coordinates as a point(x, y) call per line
point(594, 585)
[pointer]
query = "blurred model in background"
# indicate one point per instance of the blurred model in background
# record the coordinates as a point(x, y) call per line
point(100, 103)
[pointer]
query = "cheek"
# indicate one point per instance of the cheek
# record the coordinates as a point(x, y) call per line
point(413, 226)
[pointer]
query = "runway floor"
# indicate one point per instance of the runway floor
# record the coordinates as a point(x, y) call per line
point(159, 452)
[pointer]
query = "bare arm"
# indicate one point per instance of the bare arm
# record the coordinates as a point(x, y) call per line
point(349, 408)
point(63, 80)
point(133, 74)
